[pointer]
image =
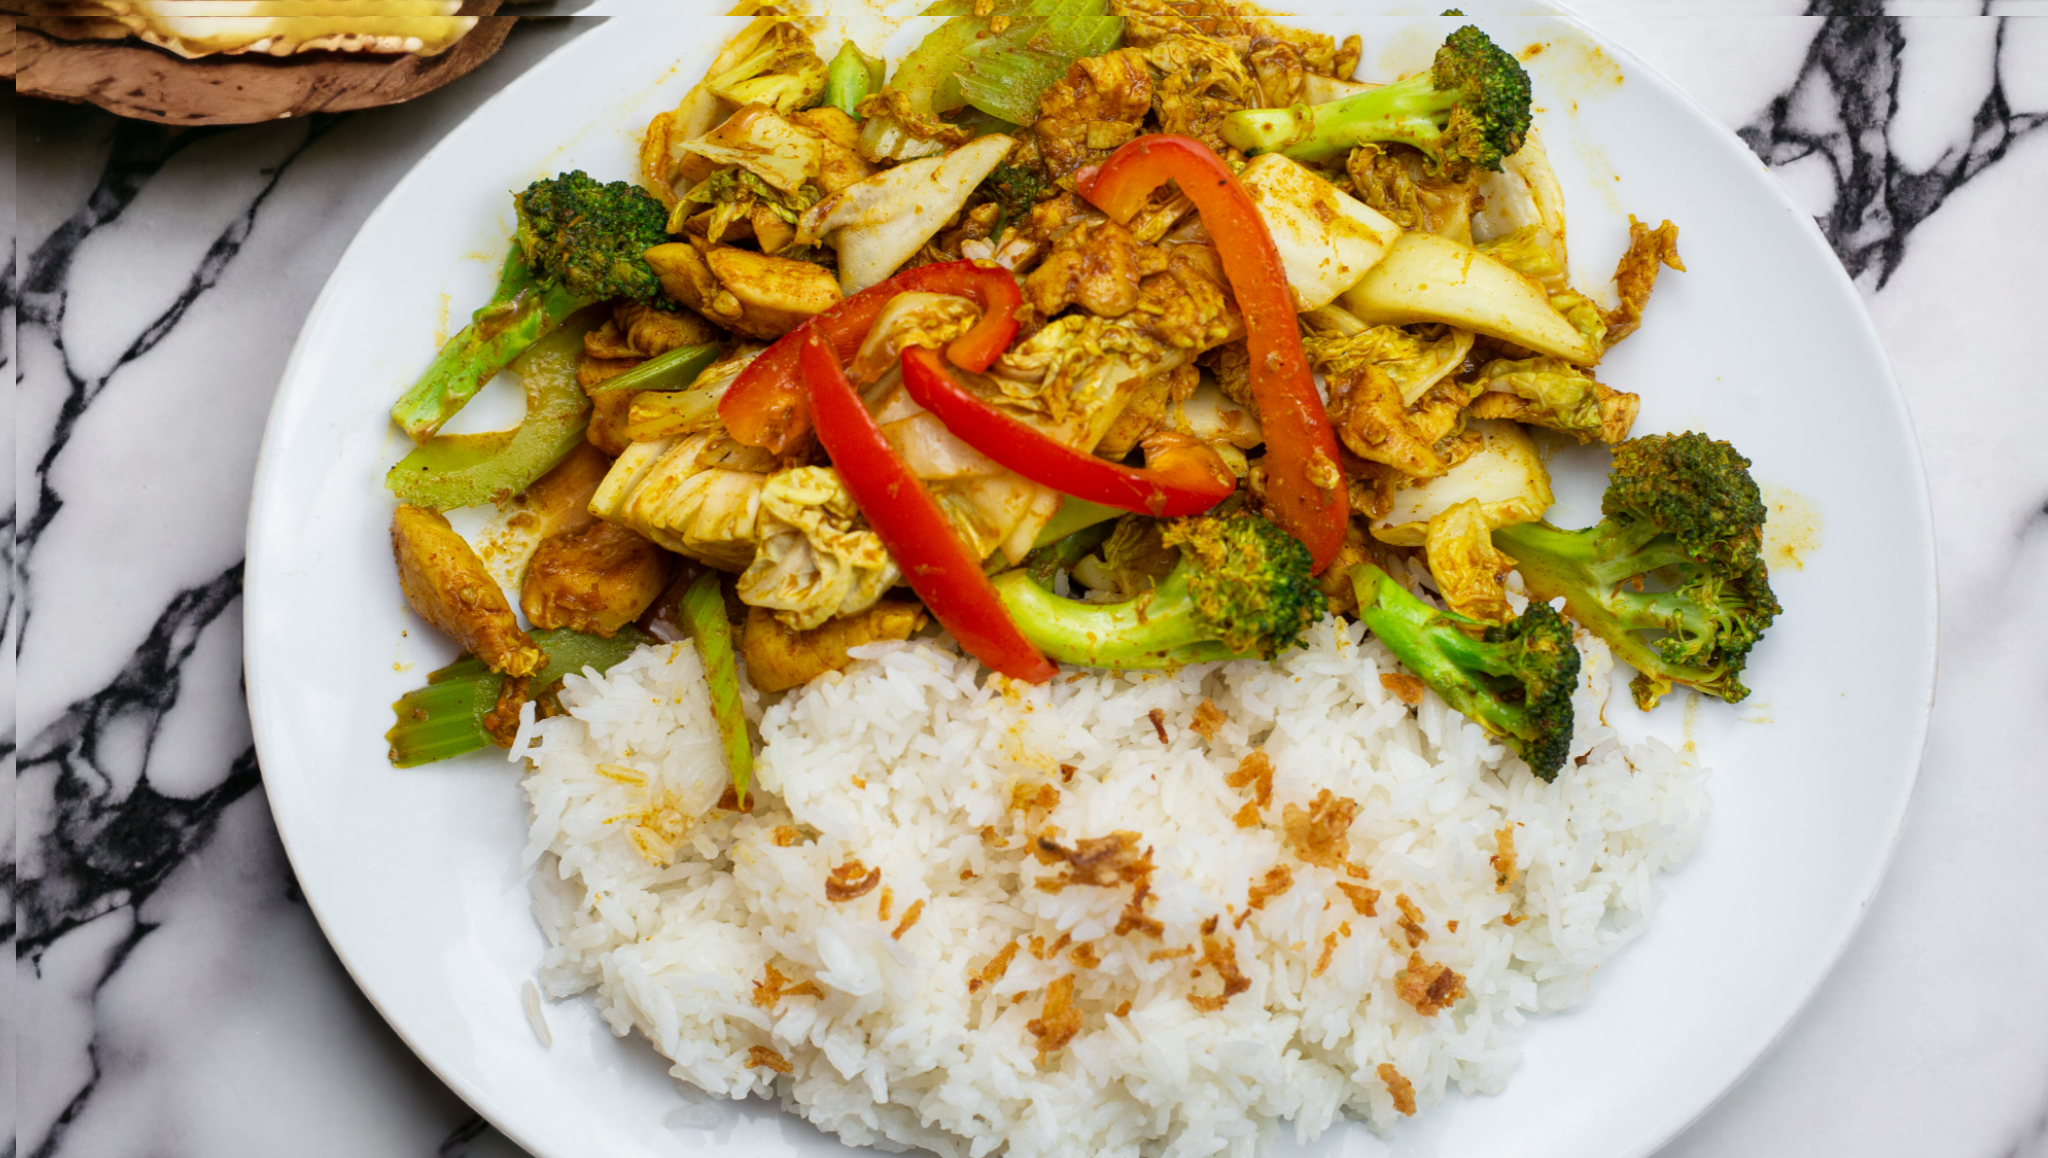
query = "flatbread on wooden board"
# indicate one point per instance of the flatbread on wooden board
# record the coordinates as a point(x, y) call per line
point(197, 28)
point(136, 80)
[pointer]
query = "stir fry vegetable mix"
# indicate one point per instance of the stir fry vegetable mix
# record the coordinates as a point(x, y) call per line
point(1304, 486)
point(1122, 333)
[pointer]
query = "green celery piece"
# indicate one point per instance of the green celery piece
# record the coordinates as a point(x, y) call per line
point(460, 470)
point(1073, 515)
point(671, 371)
point(446, 717)
point(926, 73)
point(850, 78)
point(1009, 71)
point(704, 616)
point(519, 314)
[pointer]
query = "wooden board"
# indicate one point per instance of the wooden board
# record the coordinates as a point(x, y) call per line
point(135, 80)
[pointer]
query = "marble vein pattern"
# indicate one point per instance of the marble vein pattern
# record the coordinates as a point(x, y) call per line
point(1840, 111)
point(172, 994)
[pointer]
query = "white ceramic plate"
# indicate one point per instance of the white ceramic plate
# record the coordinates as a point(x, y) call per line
point(415, 874)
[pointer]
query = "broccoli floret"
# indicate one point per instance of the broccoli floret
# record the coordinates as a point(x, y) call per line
point(589, 237)
point(1673, 578)
point(1015, 189)
point(579, 241)
point(1242, 588)
point(1470, 108)
point(1515, 681)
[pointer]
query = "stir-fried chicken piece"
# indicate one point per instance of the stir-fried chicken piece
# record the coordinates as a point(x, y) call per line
point(651, 331)
point(1097, 106)
point(611, 411)
point(595, 580)
point(447, 585)
point(778, 657)
point(1241, 26)
point(635, 332)
point(1231, 363)
point(1278, 68)
point(816, 556)
point(1150, 409)
point(1398, 184)
point(559, 501)
point(1096, 265)
point(1187, 305)
point(1201, 81)
point(1369, 415)
point(1023, 243)
point(756, 294)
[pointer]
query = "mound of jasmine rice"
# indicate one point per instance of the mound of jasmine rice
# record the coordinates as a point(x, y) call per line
point(1112, 915)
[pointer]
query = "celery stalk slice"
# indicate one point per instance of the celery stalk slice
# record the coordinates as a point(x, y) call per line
point(704, 616)
point(446, 717)
point(671, 371)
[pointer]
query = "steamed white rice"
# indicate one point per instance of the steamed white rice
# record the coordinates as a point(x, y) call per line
point(671, 911)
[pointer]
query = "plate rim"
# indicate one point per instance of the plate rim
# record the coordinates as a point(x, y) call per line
point(264, 721)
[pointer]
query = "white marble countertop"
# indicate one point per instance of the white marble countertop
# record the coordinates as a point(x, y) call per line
point(172, 994)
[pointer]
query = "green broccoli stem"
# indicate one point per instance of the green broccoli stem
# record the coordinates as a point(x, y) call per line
point(1587, 568)
point(674, 370)
point(1442, 648)
point(519, 314)
point(1409, 112)
point(1159, 629)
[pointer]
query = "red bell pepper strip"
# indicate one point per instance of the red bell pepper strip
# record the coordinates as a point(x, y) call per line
point(1304, 484)
point(939, 567)
point(765, 405)
point(1182, 476)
